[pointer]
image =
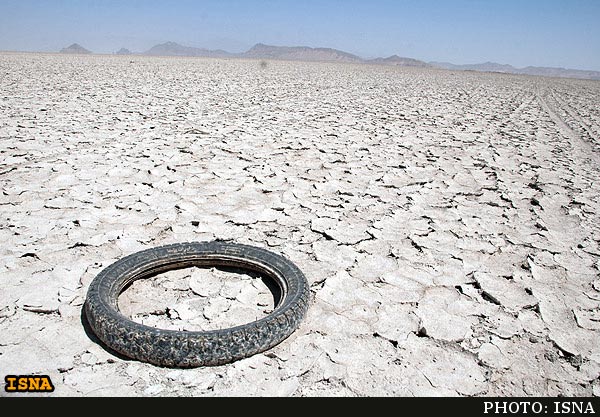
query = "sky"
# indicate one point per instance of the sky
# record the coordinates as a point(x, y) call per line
point(555, 33)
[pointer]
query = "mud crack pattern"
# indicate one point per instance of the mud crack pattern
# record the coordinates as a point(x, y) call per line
point(447, 222)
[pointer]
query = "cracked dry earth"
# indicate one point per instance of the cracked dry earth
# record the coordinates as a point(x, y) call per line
point(447, 222)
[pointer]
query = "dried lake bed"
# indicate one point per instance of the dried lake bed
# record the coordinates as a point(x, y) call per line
point(447, 222)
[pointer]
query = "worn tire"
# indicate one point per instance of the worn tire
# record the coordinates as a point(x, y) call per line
point(194, 348)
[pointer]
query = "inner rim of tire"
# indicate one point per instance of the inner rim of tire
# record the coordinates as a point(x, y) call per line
point(199, 299)
point(270, 274)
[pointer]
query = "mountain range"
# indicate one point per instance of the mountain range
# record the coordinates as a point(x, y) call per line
point(509, 69)
point(305, 53)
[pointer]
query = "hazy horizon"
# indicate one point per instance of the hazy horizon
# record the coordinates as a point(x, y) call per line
point(549, 33)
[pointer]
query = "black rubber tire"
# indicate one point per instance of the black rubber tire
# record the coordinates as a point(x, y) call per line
point(194, 348)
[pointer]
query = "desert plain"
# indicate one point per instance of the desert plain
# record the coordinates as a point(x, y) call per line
point(448, 223)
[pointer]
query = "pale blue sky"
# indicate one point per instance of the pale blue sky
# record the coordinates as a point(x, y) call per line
point(562, 33)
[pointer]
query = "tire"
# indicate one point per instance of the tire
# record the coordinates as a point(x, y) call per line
point(185, 349)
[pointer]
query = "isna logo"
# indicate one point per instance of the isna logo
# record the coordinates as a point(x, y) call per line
point(28, 383)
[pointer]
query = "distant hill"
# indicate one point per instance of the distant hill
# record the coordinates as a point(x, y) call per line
point(75, 49)
point(509, 69)
point(299, 53)
point(400, 61)
point(175, 49)
point(124, 51)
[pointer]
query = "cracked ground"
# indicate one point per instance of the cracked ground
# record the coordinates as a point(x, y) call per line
point(447, 222)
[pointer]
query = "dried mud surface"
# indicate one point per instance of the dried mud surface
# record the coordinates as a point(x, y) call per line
point(447, 222)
